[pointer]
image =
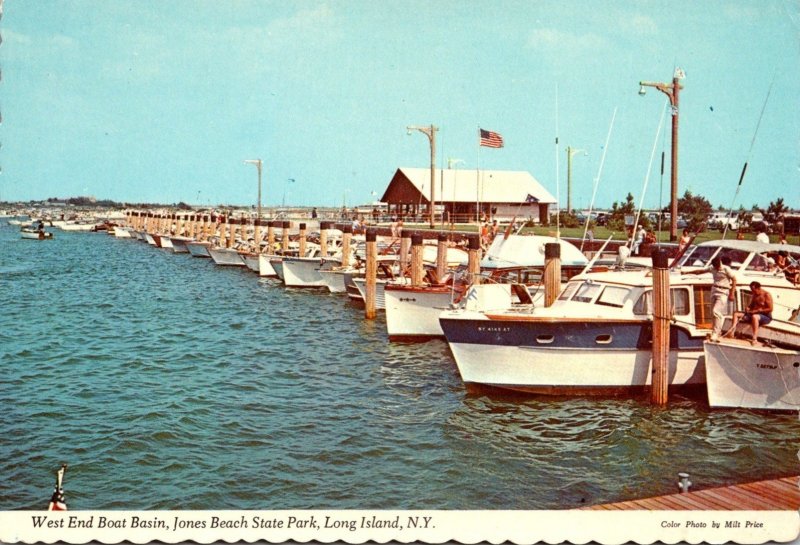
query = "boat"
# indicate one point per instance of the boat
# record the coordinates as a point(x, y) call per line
point(596, 337)
point(412, 312)
point(199, 248)
point(226, 256)
point(35, 234)
point(765, 376)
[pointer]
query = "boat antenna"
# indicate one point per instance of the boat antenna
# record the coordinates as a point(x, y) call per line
point(749, 154)
point(558, 184)
point(597, 179)
point(647, 175)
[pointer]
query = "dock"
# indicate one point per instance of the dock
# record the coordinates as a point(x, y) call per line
point(772, 495)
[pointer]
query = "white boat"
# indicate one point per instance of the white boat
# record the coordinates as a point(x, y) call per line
point(412, 312)
point(228, 257)
point(78, 226)
point(35, 234)
point(740, 375)
point(199, 248)
point(179, 244)
point(596, 338)
point(304, 272)
point(121, 232)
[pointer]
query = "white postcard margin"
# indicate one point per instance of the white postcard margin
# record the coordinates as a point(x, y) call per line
point(520, 527)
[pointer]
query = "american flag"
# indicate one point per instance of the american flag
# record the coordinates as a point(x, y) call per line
point(491, 139)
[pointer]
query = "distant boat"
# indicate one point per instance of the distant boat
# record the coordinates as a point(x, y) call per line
point(35, 234)
point(199, 248)
point(226, 256)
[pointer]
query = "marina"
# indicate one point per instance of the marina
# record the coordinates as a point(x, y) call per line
point(145, 369)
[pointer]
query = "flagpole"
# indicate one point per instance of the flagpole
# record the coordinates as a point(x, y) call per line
point(477, 181)
point(558, 185)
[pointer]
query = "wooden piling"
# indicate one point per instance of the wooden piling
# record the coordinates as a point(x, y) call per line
point(552, 272)
point(257, 235)
point(405, 247)
point(222, 230)
point(474, 258)
point(441, 257)
point(285, 236)
point(271, 238)
point(661, 325)
point(302, 241)
point(371, 272)
point(323, 237)
point(232, 222)
point(347, 234)
point(417, 271)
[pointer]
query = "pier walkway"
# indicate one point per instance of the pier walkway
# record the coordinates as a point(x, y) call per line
point(773, 495)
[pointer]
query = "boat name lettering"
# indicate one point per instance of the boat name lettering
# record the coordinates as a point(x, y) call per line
point(766, 366)
point(409, 299)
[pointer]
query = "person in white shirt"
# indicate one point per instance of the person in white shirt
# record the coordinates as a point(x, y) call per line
point(762, 236)
point(722, 290)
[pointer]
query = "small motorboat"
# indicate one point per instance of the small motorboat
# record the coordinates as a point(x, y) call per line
point(35, 234)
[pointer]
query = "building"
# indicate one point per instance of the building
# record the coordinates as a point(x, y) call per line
point(463, 195)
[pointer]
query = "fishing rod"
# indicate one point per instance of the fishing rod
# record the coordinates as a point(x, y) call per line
point(597, 179)
point(647, 176)
point(749, 154)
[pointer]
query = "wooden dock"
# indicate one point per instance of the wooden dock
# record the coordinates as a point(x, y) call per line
point(773, 495)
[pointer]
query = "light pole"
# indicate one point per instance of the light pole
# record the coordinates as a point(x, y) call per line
point(430, 132)
point(671, 90)
point(450, 164)
point(257, 163)
point(283, 202)
point(570, 152)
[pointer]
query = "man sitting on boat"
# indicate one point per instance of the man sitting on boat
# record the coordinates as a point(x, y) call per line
point(758, 313)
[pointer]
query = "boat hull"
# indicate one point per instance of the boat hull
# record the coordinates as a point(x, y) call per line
point(413, 313)
point(739, 375)
point(304, 272)
point(198, 248)
point(563, 357)
point(227, 257)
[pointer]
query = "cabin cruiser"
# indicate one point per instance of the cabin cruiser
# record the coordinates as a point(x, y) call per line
point(412, 312)
point(596, 338)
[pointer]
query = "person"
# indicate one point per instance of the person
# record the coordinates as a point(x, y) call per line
point(762, 236)
point(590, 234)
point(758, 313)
point(722, 290)
point(484, 235)
point(495, 229)
point(314, 213)
point(685, 240)
point(739, 235)
point(639, 239)
point(782, 240)
point(650, 237)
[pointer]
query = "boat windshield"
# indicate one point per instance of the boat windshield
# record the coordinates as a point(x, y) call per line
point(592, 292)
point(702, 256)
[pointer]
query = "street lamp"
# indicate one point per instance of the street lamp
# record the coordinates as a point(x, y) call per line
point(430, 132)
point(257, 163)
point(570, 152)
point(671, 90)
point(450, 163)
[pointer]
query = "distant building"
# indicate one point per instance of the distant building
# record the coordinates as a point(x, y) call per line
point(467, 194)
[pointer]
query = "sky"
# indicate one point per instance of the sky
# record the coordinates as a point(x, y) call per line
point(163, 101)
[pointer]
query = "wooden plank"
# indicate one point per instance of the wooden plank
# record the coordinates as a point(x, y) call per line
point(777, 494)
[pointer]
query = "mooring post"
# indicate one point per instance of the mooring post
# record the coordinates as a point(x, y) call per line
point(441, 257)
point(417, 271)
point(661, 324)
point(257, 235)
point(347, 234)
point(302, 240)
point(232, 222)
point(474, 258)
point(371, 272)
point(323, 237)
point(270, 237)
point(552, 272)
point(285, 236)
point(405, 247)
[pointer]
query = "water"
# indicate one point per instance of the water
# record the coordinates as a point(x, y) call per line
point(166, 382)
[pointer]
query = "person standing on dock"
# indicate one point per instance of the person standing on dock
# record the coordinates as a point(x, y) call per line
point(758, 313)
point(722, 290)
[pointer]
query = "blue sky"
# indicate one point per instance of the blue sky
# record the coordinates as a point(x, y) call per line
point(162, 101)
